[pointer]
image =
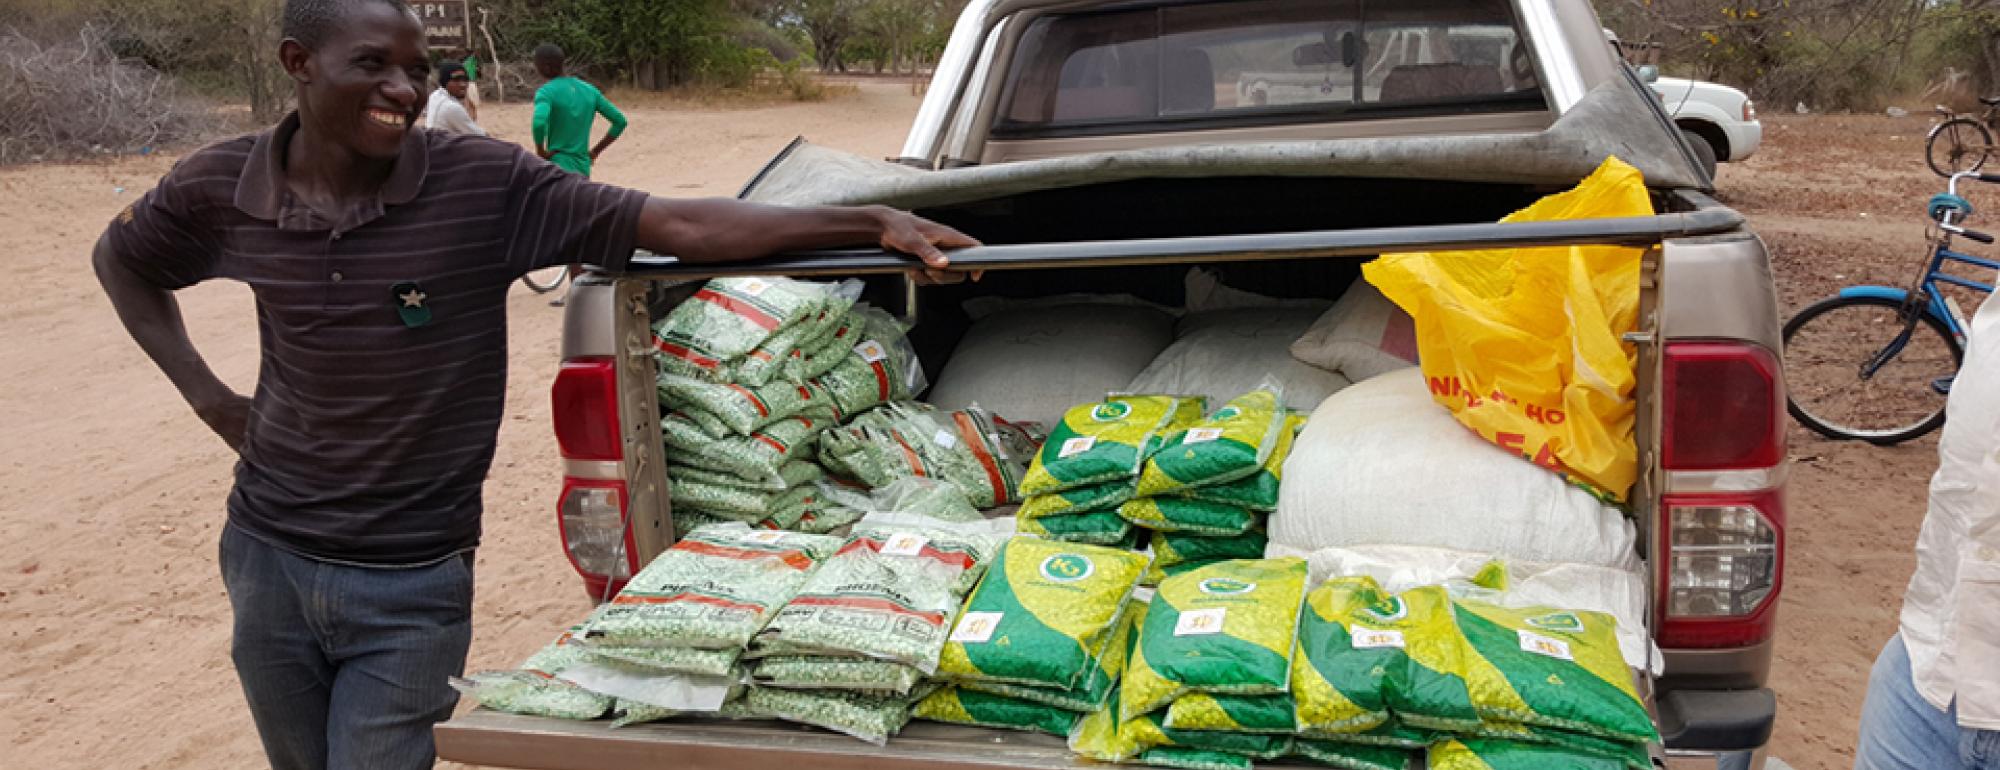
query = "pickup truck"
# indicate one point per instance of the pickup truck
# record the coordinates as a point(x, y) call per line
point(1098, 145)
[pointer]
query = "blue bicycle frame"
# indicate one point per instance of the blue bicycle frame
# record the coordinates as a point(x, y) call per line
point(1935, 301)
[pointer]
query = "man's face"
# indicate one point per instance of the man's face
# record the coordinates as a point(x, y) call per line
point(363, 87)
point(456, 85)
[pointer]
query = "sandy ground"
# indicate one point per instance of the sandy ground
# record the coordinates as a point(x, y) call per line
point(115, 617)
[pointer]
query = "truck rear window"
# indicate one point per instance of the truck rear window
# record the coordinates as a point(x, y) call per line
point(1221, 64)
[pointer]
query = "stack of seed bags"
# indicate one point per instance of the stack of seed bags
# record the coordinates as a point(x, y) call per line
point(1090, 465)
point(982, 454)
point(1043, 639)
point(1204, 493)
point(672, 638)
point(1476, 681)
point(850, 652)
point(752, 371)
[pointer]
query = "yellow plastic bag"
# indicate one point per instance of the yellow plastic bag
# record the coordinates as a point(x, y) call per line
point(1525, 345)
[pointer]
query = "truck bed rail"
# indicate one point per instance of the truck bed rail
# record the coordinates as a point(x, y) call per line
point(1707, 218)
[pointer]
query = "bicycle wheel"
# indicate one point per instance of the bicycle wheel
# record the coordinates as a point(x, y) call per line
point(546, 279)
point(1827, 347)
point(1957, 145)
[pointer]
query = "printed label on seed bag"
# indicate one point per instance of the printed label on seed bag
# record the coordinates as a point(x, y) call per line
point(1371, 638)
point(1077, 446)
point(904, 544)
point(765, 537)
point(976, 627)
point(1200, 435)
point(871, 351)
point(1542, 645)
point(1200, 622)
point(944, 439)
point(754, 287)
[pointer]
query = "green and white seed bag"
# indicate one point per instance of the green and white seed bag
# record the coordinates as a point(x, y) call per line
point(867, 717)
point(816, 672)
point(881, 367)
point(724, 496)
point(1043, 615)
point(1225, 628)
point(1231, 444)
point(1104, 441)
point(1093, 528)
point(1105, 496)
point(889, 594)
point(712, 590)
point(706, 335)
point(782, 353)
point(534, 689)
point(666, 660)
point(1099, 684)
point(742, 409)
point(756, 458)
point(959, 706)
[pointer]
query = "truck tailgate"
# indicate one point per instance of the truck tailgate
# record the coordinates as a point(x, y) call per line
point(486, 737)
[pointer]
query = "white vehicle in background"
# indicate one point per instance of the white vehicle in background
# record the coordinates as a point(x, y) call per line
point(1719, 122)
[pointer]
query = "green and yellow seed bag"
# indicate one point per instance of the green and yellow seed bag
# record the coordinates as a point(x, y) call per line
point(1195, 517)
point(1225, 628)
point(1043, 615)
point(1109, 440)
point(1178, 552)
point(1233, 443)
point(1270, 714)
point(1364, 652)
point(959, 706)
point(1489, 754)
point(1551, 668)
point(1098, 685)
point(1257, 491)
point(1351, 756)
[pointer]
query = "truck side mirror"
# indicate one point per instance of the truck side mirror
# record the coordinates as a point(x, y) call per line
point(1649, 73)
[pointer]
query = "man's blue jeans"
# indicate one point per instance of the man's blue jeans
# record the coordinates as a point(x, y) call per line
point(1902, 731)
point(345, 666)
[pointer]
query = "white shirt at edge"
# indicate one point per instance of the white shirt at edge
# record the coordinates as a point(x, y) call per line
point(1951, 613)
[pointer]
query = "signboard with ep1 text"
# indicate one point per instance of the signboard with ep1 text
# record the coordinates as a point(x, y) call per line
point(447, 23)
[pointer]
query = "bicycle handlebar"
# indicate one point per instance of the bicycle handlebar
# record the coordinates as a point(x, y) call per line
point(1990, 178)
point(1972, 234)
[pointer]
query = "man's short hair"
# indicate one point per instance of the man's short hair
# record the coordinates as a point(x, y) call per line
point(549, 52)
point(446, 70)
point(311, 22)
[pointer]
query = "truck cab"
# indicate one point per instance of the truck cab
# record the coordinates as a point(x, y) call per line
point(1097, 145)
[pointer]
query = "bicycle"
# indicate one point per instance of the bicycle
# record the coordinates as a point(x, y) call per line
point(547, 279)
point(1876, 363)
point(1949, 148)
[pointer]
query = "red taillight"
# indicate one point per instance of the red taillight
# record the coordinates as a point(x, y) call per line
point(585, 406)
point(592, 518)
point(1725, 407)
point(1722, 519)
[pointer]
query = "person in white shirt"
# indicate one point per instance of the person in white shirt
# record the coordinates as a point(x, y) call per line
point(446, 111)
point(1934, 696)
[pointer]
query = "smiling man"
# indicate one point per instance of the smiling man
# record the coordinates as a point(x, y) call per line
point(380, 257)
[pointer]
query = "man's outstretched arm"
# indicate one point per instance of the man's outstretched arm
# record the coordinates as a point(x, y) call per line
point(728, 230)
point(153, 318)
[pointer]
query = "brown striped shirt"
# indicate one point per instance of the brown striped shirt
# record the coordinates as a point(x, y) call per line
point(369, 437)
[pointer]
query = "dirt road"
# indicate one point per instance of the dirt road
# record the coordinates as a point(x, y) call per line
point(115, 617)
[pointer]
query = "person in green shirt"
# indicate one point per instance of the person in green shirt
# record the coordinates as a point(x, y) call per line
point(470, 61)
point(564, 109)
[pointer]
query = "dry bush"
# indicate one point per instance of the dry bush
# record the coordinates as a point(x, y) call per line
point(74, 98)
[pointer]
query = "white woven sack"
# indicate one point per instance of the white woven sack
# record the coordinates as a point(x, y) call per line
point(1380, 463)
point(1363, 336)
point(1223, 354)
point(1035, 362)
